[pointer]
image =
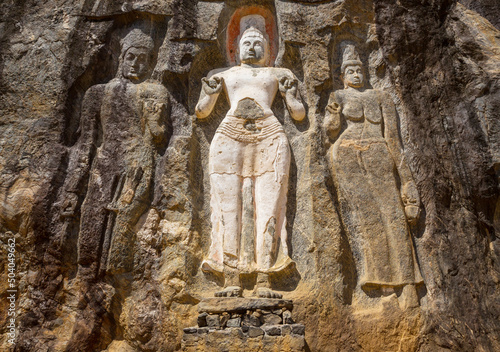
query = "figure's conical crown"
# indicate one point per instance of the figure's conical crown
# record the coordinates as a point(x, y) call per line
point(350, 57)
point(253, 25)
point(136, 38)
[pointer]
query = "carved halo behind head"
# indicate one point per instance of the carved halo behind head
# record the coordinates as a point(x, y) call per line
point(251, 18)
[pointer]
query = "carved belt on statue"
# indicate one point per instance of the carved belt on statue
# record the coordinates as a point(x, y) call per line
point(249, 130)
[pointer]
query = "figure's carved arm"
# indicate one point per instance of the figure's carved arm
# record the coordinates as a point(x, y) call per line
point(409, 193)
point(333, 121)
point(81, 155)
point(288, 86)
point(155, 114)
point(211, 86)
point(155, 118)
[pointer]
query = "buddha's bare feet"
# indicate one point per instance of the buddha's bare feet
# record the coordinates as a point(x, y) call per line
point(264, 292)
point(230, 291)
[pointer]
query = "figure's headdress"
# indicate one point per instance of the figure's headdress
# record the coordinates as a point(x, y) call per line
point(136, 38)
point(255, 25)
point(350, 57)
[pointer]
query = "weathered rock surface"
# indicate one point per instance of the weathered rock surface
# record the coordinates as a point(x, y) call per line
point(438, 60)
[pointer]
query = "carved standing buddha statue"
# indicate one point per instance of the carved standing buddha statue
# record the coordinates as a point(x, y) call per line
point(249, 164)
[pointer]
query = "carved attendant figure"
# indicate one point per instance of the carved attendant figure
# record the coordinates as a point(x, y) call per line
point(249, 164)
point(365, 158)
point(130, 114)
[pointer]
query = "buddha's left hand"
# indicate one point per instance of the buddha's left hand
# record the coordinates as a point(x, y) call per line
point(288, 85)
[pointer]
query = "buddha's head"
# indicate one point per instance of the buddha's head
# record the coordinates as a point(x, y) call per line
point(352, 68)
point(137, 50)
point(253, 47)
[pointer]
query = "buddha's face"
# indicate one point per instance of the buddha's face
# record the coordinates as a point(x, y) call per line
point(253, 49)
point(135, 63)
point(353, 76)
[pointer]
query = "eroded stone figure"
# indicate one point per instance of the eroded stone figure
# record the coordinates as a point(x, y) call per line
point(123, 127)
point(378, 197)
point(249, 164)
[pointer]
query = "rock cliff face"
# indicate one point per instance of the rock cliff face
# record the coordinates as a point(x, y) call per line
point(104, 176)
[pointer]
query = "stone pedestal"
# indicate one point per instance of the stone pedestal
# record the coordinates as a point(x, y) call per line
point(244, 324)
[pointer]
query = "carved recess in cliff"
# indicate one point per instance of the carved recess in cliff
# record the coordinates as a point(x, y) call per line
point(249, 164)
point(124, 130)
point(120, 207)
point(107, 179)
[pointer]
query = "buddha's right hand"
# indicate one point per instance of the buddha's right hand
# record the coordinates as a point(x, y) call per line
point(212, 85)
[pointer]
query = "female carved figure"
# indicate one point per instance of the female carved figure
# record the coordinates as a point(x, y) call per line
point(368, 167)
point(249, 164)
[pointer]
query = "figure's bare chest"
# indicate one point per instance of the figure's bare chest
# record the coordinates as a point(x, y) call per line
point(258, 79)
point(360, 106)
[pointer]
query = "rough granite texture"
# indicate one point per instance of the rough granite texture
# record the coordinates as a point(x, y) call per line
point(439, 60)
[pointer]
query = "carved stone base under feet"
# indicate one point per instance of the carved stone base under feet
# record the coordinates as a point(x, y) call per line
point(245, 324)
